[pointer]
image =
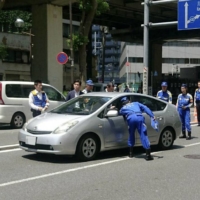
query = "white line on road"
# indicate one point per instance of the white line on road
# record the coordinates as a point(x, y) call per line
point(10, 150)
point(77, 169)
point(9, 147)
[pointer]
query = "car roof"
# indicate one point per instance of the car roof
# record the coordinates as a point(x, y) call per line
point(113, 94)
point(21, 82)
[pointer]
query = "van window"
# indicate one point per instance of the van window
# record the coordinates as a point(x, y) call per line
point(52, 94)
point(26, 89)
point(18, 91)
point(14, 90)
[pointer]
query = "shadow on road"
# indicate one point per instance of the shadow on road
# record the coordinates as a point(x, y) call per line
point(6, 127)
point(139, 152)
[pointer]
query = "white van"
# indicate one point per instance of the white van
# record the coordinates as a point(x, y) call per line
point(14, 102)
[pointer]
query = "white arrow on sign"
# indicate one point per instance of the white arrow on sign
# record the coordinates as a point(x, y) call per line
point(186, 15)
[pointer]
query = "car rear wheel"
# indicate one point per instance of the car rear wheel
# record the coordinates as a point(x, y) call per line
point(166, 139)
point(18, 120)
point(88, 148)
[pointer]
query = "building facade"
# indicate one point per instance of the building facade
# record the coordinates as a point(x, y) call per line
point(111, 61)
point(176, 55)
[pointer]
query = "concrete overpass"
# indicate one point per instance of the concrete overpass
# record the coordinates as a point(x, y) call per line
point(125, 15)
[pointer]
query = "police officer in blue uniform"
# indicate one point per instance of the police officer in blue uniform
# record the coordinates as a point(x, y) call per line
point(164, 94)
point(184, 102)
point(197, 102)
point(38, 99)
point(133, 114)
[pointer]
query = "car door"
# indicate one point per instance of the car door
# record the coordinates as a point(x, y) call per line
point(115, 129)
point(55, 97)
point(158, 109)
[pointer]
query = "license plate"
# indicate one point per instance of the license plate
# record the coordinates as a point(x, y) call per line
point(30, 140)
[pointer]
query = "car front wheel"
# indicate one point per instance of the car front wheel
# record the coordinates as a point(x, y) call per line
point(166, 139)
point(88, 148)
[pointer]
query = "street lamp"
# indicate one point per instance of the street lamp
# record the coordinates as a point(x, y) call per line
point(19, 23)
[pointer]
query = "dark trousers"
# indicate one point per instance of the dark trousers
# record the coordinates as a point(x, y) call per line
point(35, 112)
point(198, 111)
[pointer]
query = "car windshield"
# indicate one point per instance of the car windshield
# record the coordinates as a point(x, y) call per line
point(83, 105)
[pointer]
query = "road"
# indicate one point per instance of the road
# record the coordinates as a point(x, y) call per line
point(112, 176)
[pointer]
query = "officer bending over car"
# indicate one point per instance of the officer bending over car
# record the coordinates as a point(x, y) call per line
point(133, 115)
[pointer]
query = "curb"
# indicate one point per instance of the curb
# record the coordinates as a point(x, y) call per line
point(7, 147)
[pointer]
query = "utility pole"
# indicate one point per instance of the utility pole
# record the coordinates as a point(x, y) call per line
point(103, 56)
point(71, 43)
point(146, 47)
point(127, 64)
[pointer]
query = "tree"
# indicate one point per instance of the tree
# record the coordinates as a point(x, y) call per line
point(8, 17)
point(2, 4)
point(88, 8)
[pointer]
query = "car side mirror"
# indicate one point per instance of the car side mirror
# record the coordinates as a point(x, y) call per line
point(112, 113)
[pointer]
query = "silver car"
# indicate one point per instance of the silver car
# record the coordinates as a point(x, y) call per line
point(86, 125)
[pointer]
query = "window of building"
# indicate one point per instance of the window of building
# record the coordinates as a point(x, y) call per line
point(194, 61)
point(17, 56)
point(176, 60)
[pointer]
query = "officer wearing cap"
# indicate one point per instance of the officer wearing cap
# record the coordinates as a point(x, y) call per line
point(133, 115)
point(164, 94)
point(184, 102)
point(89, 86)
point(197, 102)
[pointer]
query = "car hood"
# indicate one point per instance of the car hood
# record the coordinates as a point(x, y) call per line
point(51, 121)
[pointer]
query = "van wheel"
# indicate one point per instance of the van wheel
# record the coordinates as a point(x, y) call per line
point(18, 120)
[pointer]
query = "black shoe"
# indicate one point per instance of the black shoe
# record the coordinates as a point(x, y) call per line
point(183, 135)
point(198, 124)
point(148, 155)
point(130, 152)
point(189, 136)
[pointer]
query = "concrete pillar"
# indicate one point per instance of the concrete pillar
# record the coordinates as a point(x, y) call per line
point(155, 65)
point(47, 43)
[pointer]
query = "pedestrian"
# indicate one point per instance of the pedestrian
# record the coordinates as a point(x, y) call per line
point(184, 102)
point(38, 99)
point(110, 87)
point(133, 115)
point(126, 89)
point(164, 94)
point(76, 91)
point(197, 102)
point(89, 86)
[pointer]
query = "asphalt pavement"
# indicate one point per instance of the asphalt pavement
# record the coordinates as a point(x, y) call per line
point(173, 174)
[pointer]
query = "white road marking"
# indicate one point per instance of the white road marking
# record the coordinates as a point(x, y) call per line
point(77, 169)
point(10, 150)
point(9, 147)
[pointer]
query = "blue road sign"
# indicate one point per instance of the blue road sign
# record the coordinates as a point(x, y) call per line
point(188, 14)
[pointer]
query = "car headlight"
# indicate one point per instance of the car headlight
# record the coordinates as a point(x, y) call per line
point(65, 127)
point(25, 125)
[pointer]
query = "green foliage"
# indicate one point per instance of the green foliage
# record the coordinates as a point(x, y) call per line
point(10, 16)
point(85, 5)
point(78, 40)
point(3, 51)
point(102, 7)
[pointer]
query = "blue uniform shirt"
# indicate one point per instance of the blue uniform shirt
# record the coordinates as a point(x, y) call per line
point(185, 100)
point(165, 96)
point(135, 107)
point(196, 96)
